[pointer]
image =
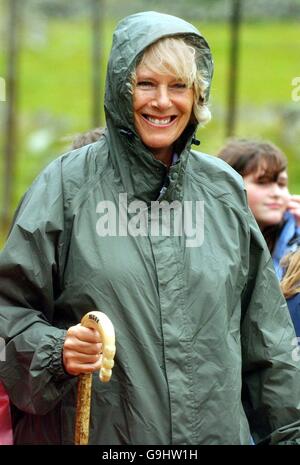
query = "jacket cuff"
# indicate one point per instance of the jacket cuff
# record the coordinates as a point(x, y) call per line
point(56, 366)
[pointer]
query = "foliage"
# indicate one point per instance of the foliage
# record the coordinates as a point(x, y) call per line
point(214, 10)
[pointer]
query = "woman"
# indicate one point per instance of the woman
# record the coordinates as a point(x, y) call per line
point(290, 286)
point(85, 237)
point(264, 169)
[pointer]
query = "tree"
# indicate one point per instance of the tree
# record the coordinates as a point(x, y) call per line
point(97, 58)
point(235, 21)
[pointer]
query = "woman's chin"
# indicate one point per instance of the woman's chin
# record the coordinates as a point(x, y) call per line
point(272, 220)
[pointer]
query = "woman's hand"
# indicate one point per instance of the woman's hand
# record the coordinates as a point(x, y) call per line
point(294, 207)
point(82, 350)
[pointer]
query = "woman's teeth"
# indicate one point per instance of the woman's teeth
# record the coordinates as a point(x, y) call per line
point(159, 121)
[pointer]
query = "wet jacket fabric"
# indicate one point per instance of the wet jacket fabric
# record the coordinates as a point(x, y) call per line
point(203, 334)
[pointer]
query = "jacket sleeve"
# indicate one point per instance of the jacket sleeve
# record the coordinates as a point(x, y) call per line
point(271, 367)
point(30, 272)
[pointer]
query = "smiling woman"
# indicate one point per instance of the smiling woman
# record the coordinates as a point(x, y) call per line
point(162, 109)
point(168, 92)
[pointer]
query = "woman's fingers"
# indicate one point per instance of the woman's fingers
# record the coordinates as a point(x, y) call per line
point(75, 366)
point(82, 350)
point(84, 340)
point(84, 334)
point(76, 363)
point(294, 207)
point(84, 358)
point(82, 347)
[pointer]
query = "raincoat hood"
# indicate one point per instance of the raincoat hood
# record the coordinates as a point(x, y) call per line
point(132, 36)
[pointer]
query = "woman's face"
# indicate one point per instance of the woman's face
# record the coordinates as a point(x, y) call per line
point(267, 198)
point(162, 108)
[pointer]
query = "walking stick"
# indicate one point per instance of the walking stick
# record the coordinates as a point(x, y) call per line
point(100, 322)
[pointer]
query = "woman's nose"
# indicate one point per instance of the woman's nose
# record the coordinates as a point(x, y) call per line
point(162, 98)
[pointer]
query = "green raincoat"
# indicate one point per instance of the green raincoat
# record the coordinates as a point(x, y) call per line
point(204, 338)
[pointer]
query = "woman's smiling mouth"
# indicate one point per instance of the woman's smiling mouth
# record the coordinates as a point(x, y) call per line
point(159, 121)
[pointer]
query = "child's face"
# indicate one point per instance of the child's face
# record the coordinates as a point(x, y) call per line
point(267, 197)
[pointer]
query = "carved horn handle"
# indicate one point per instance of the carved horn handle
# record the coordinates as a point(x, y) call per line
point(102, 324)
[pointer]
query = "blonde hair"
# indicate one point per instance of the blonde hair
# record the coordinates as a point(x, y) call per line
point(290, 284)
point(173, 56)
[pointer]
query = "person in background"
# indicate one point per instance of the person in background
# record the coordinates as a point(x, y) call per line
point(196, 362)
point(290, 286)
point(88, 137)
point(277, 212)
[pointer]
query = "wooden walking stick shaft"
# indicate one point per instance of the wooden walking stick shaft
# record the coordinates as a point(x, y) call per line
point(104, 326)
point(83, 408)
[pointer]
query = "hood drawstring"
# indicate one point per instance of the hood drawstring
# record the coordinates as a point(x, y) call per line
point(126, 132)
point(196, 141)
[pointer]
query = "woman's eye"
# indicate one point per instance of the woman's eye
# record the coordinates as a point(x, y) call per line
point(263, 181)
point(145, 84)
point(179, 85)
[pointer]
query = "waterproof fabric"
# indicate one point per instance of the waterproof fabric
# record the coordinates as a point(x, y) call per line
point(288, 241)
point(197, 328)
point(5, 420)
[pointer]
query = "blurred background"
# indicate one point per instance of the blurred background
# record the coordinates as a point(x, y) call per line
point(53, 56)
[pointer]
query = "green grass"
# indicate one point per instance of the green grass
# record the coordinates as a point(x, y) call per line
point(55, 90)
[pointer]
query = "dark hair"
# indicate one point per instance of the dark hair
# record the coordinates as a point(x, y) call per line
point(247, 155)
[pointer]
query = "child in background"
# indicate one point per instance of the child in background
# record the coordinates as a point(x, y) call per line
point(264, 169)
